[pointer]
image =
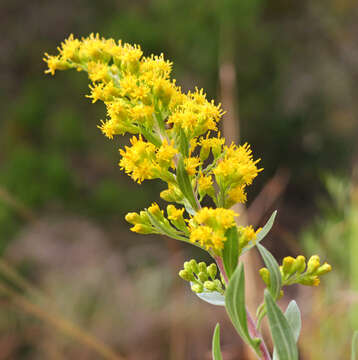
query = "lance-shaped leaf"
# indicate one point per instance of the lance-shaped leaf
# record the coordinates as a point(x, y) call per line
point(231, 251)
point(216, 351)
point(274, 270)
point(293, 316)
point(354, 346)
point(264, 231)
point(185, 183)
point(236, 307)
point(281, 331)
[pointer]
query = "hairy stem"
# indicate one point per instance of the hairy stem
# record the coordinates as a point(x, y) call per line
point(254, 332)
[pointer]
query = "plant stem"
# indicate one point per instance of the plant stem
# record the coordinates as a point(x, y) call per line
point(254, 332)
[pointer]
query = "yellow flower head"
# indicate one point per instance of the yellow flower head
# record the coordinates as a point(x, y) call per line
point(191, 164)
point(237, 167)
point(208, 227)
point(166, 153)
point(138, 160)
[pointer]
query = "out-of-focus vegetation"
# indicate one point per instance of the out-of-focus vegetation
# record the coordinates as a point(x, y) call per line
point(334, 234)
point(62, 197)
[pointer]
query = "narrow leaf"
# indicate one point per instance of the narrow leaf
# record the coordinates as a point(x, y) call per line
point(264, 231)
point(274, 269)
point(216, 351)
point(354, 346)
point(282, 335)
point(236, 306)
point(293, 316)
point(184, 183)
point(231, 251)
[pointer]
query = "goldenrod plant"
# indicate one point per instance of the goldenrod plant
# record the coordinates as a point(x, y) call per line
point(176, 139)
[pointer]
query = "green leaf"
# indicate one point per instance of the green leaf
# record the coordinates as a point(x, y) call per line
point(183, 143)
point(216, 351)
point(274, 269)
point(185, 183)
point(236, 306)
point(264, 231)
point(293, 316)
point(231, 251)
point(354, 346)
point(282, 335)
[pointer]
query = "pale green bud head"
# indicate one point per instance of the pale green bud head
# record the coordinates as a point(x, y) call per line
point(313, 264)
point(202, 267)
point(186, 275)
point(187, 266)
point(218, 284)
point(210, 285)
point(299, 264)
point(197, 288)
point(203, 276)
point(194, 266)
point(212, 270)
point(324, 269)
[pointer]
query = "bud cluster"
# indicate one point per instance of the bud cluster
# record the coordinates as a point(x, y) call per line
point(202, 277)
point(297, 271)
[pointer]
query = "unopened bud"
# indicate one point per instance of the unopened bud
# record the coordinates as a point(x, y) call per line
point(299, 264)
point(197, 288)
point(265, 275)
point(218, 284)
point(324, 269)
point(202, 267)
point(313, 264)
point(133, 218)
point(287, 265)
point(194, 266)
point(210, 285)
point(185, 275)
point(203, 276)
point(310, 281)
point(212, 270)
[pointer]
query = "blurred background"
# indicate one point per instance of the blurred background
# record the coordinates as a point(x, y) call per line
point(75, 283)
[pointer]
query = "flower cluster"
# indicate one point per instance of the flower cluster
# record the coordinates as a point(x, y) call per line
point(175, 139)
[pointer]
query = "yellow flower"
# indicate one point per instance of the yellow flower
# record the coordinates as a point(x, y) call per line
point(237, 167)
point(138, 160)
point(237, 195)
point(174, 213)
point(166, 153)
point(208, 227)
point(191, 164)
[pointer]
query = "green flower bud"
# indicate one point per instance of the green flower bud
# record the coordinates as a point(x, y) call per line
point(218, 284)
point(324, 269)
point(210, 285)
point(212, 270)
point(299, 264)
point(194, 266)
point(187, 266)
point(265, 275)
point(185, 275)
point(310, 280)
point(287, 265)
point(197, 288)
point(203, 276)
point(313, 264)
point(202, 267)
